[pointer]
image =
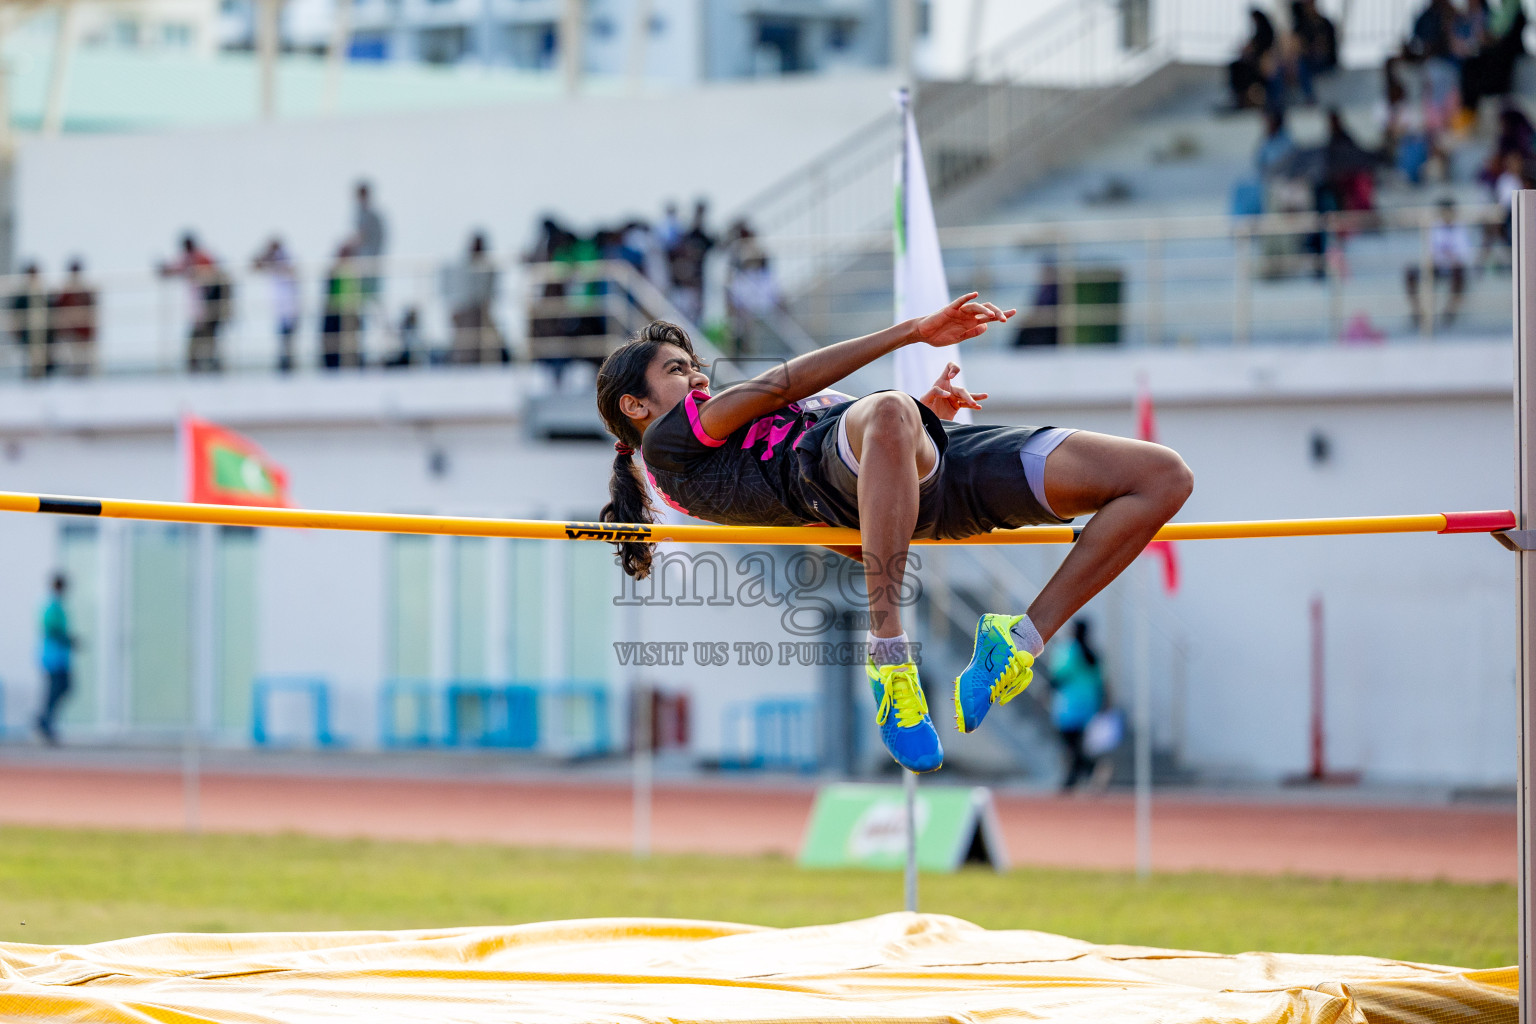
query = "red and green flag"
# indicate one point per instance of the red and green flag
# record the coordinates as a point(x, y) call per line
point(223, 468)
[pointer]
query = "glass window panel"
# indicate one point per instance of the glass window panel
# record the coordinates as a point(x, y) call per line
point(525, 605)
point(410, 608)
point(470, 563)
point(591, 586)
point(235, 581)
point(159, 625)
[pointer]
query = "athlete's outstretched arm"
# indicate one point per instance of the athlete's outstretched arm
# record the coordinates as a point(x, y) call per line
point(807, 374)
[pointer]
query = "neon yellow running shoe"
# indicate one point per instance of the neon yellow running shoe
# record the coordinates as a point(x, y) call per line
point(998, 671)
point(901, 711)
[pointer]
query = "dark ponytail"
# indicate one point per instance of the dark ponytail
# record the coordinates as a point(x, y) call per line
point(623, 373)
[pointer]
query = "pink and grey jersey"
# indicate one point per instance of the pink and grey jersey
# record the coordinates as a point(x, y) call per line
point(752, 478)
point(784, 469)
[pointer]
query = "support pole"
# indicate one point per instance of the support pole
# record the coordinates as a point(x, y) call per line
point(1142, 641)
point(909, 790)
point(1319, 739)
point(336, 54)
point(58, 71)
point(903, 37)
point(973, 38)
point(639, 44)
point(572, 27)
point(200, 680)
point(268, 14)
point(644, 739)
point(1524, 272)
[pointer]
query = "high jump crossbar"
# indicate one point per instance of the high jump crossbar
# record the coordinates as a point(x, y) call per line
point(1500, 523)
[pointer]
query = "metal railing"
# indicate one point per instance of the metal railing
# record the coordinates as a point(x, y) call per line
point(1181, 281)
point(965, 127)
point(1075, 58)
point(1184, 281)
point(390, 313)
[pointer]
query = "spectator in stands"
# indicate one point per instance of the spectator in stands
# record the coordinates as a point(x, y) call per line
point(211, 293)
point(1489, 69)
point(411, 350)
point(471, 290)
point(369, 237)
point(1042, 324)
point(1349, 181)
point(686, 261)
point(341, 322)
point(1077, 685)
point(1432, 43)
point(1516, 137)
point(1405, 143)
point(653, 255)
point(28, 306)
point(751, 293)
point(1450, 252)
point(1276, 148)
point(1317, 44)
point(55, 653)
point(1249, 76)
point(72, 338)
point(670, 231)
point(276, 263)
point(1511, 180)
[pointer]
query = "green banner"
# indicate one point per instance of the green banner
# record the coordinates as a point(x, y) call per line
point(865, 826)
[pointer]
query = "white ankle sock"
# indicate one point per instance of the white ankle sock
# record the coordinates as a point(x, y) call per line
point(1028, 637)
point(889, 650)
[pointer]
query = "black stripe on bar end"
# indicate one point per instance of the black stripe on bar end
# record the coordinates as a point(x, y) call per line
point(1077, 531)
point(69, 506)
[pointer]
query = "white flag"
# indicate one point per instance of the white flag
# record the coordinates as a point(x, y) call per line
point(921, 287)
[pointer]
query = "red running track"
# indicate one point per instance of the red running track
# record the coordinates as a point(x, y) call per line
point(1189, 833)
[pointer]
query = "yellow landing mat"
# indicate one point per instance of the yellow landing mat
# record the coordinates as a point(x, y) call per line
point(899, 967)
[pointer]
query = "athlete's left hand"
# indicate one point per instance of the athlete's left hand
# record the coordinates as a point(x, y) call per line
point(947, 398)
point(964, 318)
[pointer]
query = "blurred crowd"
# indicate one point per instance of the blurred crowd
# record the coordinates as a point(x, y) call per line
point(54, 329)
point(658, 270)
point(670, 261)
point(1453, 58)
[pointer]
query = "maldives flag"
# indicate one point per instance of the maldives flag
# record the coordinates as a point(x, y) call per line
point(223, 468)
point(1146, 429)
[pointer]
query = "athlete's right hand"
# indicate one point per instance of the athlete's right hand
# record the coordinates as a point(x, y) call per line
point(959, 321)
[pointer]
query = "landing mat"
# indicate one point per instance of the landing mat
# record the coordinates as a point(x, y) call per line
point(899, 967)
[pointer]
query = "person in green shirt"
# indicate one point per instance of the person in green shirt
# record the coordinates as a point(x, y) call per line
point(1077, 682)
point(54, 656)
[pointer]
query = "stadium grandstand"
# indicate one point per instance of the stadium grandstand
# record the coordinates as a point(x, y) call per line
point(371, 252)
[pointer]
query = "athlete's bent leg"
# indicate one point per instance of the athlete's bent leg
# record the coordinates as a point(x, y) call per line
point(1131, 487)
point(886, 437)
point(885, 432)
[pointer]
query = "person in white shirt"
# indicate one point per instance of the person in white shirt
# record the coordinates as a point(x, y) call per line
point(274, 260)
point(1450, 253)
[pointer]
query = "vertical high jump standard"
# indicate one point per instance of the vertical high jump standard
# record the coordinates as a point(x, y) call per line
point(1523, 266)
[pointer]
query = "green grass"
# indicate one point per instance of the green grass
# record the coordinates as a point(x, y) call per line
point(67, 886)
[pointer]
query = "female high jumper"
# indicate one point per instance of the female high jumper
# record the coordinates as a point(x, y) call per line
point(776, 450)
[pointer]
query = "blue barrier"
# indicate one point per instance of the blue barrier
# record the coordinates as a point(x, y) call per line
point(783, 735)
point(484, 715)
point(395, 691)
point(577, 717)
point(319, 693)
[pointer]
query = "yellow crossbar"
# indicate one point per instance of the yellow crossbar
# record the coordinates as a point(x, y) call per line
point(536, 529)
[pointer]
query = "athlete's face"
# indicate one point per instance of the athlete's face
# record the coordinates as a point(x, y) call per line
point(672, 374)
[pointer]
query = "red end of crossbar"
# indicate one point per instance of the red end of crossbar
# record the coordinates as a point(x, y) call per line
point(1478, 522)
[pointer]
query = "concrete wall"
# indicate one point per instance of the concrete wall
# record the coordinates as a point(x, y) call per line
point(1419, 627)
point(122, 200)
